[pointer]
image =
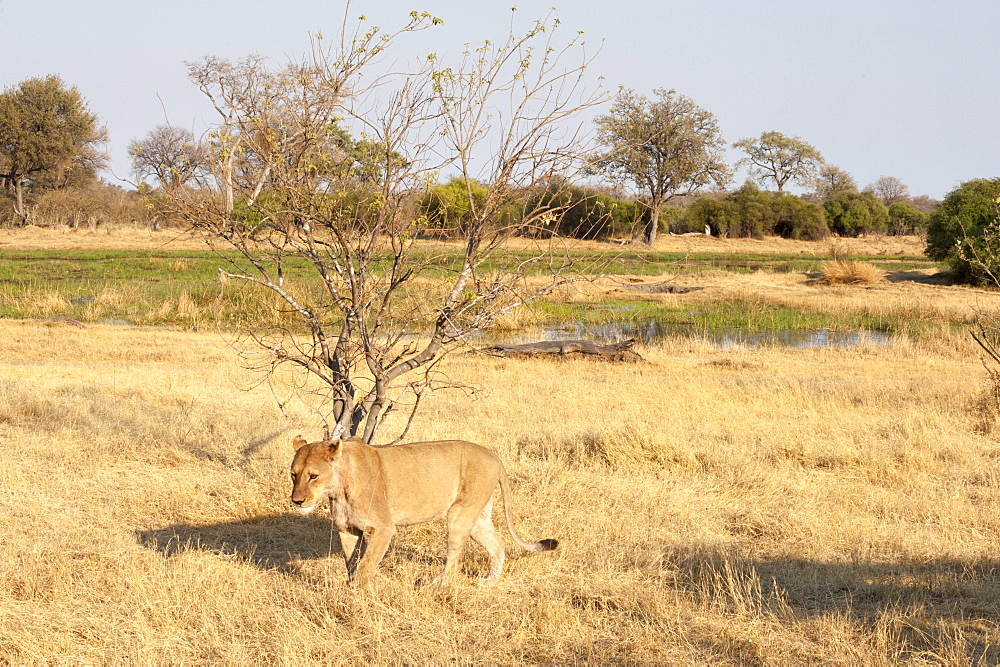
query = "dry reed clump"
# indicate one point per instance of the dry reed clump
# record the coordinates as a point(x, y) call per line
point(45, 304)
point(850, 272)
point(790, 506)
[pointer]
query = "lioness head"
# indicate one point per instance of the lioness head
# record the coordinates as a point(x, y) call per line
point(313, 476)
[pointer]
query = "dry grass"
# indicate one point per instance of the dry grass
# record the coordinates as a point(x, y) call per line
point(128, 237)
point(850, 272)
point(124, 237)
point(777, 506)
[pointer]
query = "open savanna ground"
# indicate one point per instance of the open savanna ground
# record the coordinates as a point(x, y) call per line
point(745, 506)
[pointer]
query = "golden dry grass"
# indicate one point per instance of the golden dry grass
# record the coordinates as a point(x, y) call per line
point(742, 506)
point(850, 272)
point(127, 237)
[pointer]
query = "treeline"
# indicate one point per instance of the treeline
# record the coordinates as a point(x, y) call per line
point(50, 161)
point(50, 158)
point(592, 213)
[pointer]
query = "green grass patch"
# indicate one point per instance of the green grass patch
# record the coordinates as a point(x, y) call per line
point(748, 316)
point(181, 288)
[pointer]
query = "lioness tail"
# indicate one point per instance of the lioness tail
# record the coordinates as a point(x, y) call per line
point(541, 545)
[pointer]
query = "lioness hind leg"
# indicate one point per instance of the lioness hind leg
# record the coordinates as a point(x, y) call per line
point(460, 523)
point(485, 534)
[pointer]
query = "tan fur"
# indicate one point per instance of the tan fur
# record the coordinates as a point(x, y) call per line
point(372, 490)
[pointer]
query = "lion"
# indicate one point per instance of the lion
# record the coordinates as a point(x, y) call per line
point(371, 490)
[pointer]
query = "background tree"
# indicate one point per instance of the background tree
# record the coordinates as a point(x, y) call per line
point(367, 311)
point(856, 214)
point(831, 181)
point(660, 148)
point(449, 206)
point(924, 204)
point(890, 190)
point(46, 132)
point(754, 213)
point(778, 158)
point(904, 219)
point(169, 154)
point(965, 231)
point(584, 213)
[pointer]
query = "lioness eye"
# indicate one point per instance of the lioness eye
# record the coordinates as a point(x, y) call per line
point(294, 477)
point(312, 477)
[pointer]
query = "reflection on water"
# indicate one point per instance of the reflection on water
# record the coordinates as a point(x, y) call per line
point(653, 331)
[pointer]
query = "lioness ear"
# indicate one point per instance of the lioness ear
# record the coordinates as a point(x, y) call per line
point(298, 442)
point(333, 448)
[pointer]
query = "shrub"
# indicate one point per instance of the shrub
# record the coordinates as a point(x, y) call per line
point(91, 205)
point(856, 214)
point(720, 216)
point(751, 212)
point(797, 219)
point(586, 213)
point(448, 206)
point(964, 231)
point(904, 219)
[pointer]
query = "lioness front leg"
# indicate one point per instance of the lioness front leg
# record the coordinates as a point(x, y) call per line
point(372, 546)
point(353, 546)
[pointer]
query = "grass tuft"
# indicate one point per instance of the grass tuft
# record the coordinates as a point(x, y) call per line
point(851, 272)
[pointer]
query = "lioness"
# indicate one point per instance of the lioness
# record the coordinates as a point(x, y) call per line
point(372, 490)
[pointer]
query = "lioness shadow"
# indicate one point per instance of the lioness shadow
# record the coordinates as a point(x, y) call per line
point(272, 542)
point(268, 542)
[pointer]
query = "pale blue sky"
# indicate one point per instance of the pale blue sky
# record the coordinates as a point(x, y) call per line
point(907, 88)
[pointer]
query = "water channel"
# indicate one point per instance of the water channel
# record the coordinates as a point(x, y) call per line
point(656, 330)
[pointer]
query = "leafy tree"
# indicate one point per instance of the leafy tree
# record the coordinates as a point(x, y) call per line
point(583, 213)
point(856, 214)
point(831, 181)
point(964, 231)
point(904, 219)
point(924, 204)
point(778, 158)
point(367, 311)
point(754, 215)
point(749, 212)
point(890, 190)
point(46, 133)
point(795, 218)
point(720, 216)
point(169, 154)
point(661, 148)
point(450, 207)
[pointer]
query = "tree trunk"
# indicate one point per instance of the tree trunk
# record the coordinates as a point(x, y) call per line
point(19, 200)
point(652, 225)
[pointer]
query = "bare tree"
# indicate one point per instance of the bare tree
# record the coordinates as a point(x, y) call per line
point(313, 166)
point(832, 181)
point(169, 154)
point(664, 148)
point(890, 190)
point(779, 158)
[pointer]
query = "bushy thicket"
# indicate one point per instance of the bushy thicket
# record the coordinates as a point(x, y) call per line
point(448, 207)
point(965, 231)
point(751, 212)
point(91, 205)
point(585, 213)
point(905, 219)
point(559, 208)
point(856, 214)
